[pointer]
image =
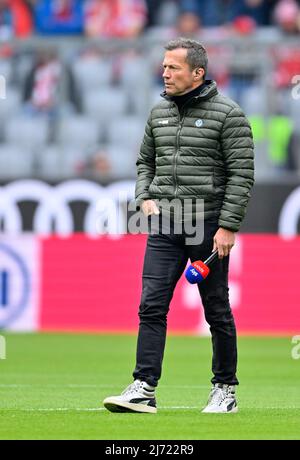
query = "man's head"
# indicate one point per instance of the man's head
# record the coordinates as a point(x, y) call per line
point(185, 66)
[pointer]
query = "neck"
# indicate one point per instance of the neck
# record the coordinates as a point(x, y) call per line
point(189, 93)
point(181, 99)
point(192, 88)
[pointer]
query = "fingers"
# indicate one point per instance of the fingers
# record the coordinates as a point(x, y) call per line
point(155, 209)
point(223, 241)
point(215, 245)
point(223, 248)
point(149, 207)
point(146, 208)
point(220, 247)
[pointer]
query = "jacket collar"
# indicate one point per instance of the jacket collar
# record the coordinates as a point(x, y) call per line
point(209, 90)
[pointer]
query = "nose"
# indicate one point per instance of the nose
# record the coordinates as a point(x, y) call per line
point(166, 73)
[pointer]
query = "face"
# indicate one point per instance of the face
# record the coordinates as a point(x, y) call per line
point(188, 24)
point(178, 77)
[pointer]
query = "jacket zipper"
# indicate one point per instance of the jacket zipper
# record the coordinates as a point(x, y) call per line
point(181, 120)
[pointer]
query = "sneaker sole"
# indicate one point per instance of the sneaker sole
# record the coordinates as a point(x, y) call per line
point(232, 411)
point(116, 406)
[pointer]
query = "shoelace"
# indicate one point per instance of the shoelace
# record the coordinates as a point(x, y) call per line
point(132, 388)
point(218, 396)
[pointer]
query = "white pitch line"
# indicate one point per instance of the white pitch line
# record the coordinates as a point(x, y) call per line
point(64, 409)
point(178, 407)
point(82, 409)
point(50, 385)
point(100, 409)
point(74, 385)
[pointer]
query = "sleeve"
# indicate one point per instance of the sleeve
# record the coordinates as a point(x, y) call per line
point(145, 165)
point(238, 151)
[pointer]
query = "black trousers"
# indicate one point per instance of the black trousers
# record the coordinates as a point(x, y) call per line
point(165, 260)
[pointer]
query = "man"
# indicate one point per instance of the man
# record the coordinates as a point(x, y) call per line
point(197, 144)
point(115, 18)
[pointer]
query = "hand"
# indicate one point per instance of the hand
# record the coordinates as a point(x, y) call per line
point(223, 242)
point(149, 207)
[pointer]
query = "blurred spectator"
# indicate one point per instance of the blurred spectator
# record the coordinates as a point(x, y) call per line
point(287, 17)
point(213, 12)
point(258, 10)
point(280, 129)
point(15, 19)
point(276, 142)
point(188, 25)
point(287, 58)
point(43, 85)
point(115, 18)
point(54, 17)
point(287, 65)
point(222, 12)
point(244, 25)
point(96, 165)
point(162, 12)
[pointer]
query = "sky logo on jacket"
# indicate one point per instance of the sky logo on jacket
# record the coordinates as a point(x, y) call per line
point(199, 123)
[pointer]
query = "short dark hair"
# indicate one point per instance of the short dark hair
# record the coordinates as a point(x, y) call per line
point(196, 53)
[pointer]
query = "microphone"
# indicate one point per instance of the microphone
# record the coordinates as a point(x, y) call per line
point(199, 270)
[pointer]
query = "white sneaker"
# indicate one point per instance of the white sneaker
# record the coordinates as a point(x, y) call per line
point(221, 400)
point(137, 397)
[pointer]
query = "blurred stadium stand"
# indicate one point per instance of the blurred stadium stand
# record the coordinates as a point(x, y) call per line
point(77, 106)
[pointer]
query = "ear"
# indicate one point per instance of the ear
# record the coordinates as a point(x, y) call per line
point(198, 73)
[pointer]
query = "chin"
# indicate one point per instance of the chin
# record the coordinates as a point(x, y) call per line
point(170, 92)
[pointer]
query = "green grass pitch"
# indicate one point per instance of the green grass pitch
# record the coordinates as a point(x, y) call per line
point(52, 387)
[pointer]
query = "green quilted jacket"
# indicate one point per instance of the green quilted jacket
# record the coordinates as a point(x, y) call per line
point(205, 152)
